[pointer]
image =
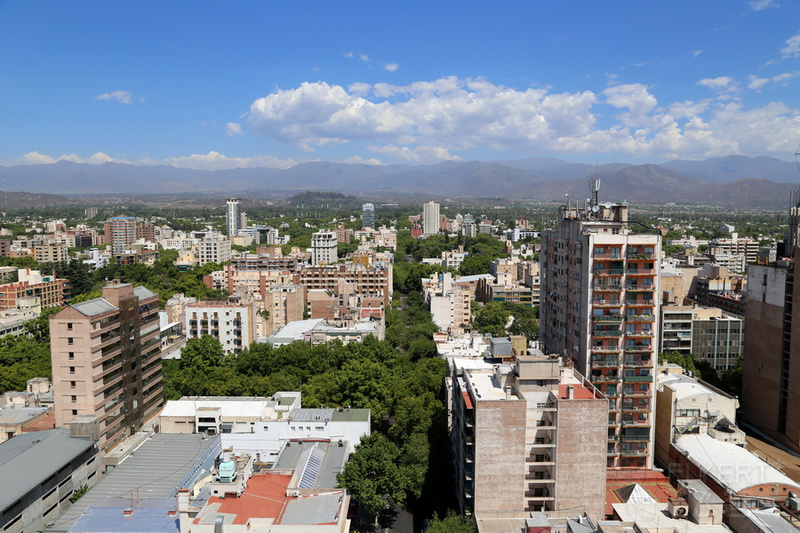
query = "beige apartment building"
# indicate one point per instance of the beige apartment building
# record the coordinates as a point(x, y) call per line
point(50, 253)
point(599, 308)
point(106, 360)
point(527, 437)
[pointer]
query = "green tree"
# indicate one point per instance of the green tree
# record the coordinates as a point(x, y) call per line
point(491, 318)
point(373, 475)
point(452, 523)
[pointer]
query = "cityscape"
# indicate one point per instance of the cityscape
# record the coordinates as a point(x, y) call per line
point(399, 268)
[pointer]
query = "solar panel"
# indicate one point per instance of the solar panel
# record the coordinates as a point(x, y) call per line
point(311, 465)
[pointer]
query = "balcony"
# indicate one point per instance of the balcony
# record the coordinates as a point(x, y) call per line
point(603, 302)
point(637, 394)
point(602, 378)
point(605, 362)
point(635, 437)
point(605, 349)
point(607, 287)
point(610, 319)
point(542, 459)
point(639, 302)
point(609, 271)
point(638, 379)
point(640, 318)
point(645, 256)
point(636, 423)
point(648, 333)
point(606, 333)
point(638, 362)
point(638, 347)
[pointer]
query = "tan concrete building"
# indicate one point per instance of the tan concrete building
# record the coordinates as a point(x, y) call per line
point(106, 360)
point(600, 308)
point(53, 291)
point(528, 437)
point(233, 324)
point(51, 253)
point(771, 377)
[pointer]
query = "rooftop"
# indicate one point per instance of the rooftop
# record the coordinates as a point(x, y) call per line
point(264, 497)
point(229, 406)
point(731, 465)
point(332, 461)
point(31, 458)
point(147, 516)
point(653, 517)
point(13, 416)
point(153, 471)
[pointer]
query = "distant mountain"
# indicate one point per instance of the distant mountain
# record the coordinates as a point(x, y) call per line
point(737, 167)
point(27, 199)
point(736, 180)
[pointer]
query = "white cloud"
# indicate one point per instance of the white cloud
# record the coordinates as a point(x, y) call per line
point(756, 83)
point(364, 57)
point(696, 53)
point(358, 160)
point(391, 67)
point(123, 97)
point(760, 5)
point(722, 82)
point(233, 129)
point(348, 55)
point(792, 47)
point(419, 154)
point(210, 161)
point(437, 120)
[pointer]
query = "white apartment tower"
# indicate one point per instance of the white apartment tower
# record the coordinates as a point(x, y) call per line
point(324, 248)
point(430, 218)
point(600, 308)
point(234, 217)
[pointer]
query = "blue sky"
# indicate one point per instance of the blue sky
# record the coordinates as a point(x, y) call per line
point(226, 84)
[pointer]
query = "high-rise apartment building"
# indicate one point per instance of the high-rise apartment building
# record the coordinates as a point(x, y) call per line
point(599, 308)
point(528, 437)
point(120, 232)
point(430, 218)
point(324, 248)
point(368, 216)
point(234, 217)
point(106, 359)
point(214, 250)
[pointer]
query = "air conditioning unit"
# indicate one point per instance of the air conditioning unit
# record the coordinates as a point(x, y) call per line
point(678, 508)
point(793, 504)
point(295, 494)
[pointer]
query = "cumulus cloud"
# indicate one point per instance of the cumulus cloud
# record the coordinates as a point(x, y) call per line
point(123, 97)
point(760, 5)
point(756, 83)
point(365, 58)
point(696, 53)
point(233, 129)
point(437, 120)
point(391, 67)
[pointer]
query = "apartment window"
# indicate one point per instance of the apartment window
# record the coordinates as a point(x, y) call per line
point(74, 412)
point(72, 370)
point(69, 326)
point(70, 340)
point(72, 384)
point(74, 399)
point(71, 355)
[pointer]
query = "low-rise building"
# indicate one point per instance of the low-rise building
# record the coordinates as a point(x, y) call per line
point(232, 323)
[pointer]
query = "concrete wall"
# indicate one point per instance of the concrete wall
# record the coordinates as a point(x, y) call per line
point(499, 455)
point(580, 471)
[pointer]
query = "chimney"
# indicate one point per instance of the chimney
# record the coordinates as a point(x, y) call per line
point(570, 392)
point(508, 393)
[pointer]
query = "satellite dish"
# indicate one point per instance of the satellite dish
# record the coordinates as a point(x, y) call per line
point(608, 205)
point(595, 208)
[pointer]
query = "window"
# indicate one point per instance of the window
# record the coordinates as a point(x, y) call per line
point(69, 326)
point(74, 412)
point(71, 355)
point(72, 370)
point(74, 399)
point(70, 341)
point(72, 384)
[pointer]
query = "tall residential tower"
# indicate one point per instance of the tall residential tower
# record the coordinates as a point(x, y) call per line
point(430, 218)
point(599, 308)
point(234, 218)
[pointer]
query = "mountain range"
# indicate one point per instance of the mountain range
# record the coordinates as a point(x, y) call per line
point(734, 180)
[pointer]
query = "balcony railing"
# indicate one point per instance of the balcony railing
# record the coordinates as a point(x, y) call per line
point(638, 379)
point(607, 318)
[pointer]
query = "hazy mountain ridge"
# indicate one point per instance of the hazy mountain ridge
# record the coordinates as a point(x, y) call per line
point(734, 180)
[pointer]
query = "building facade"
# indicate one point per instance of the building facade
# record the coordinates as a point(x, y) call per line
point(233, 217)
point(51, 291)
point(231, 323)
point(430, 218)
point(368, 216)
point(106, 360)
point(324, 248)
point(528, 437)
point(120, 232)
point(214, 250)
point(599, 282)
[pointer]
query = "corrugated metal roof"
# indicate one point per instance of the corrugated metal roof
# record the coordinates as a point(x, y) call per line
point(98, 306)
point(315, 509)
point(153, 470)
point(30, 458)
point(150, 516)
point(143, 293)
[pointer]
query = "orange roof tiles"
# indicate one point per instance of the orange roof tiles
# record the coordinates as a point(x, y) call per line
point(265, 497)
